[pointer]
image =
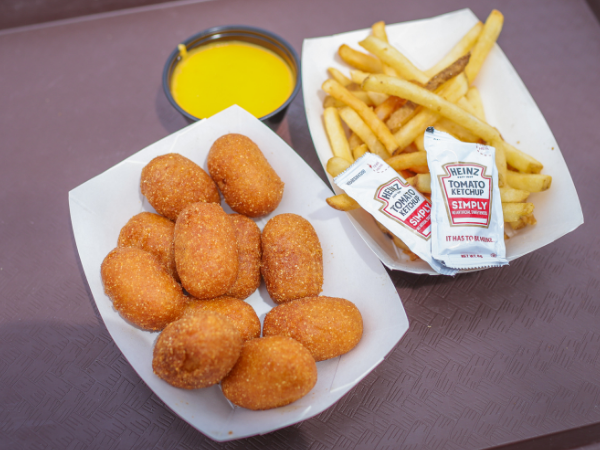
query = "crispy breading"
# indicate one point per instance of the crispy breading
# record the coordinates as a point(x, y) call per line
point(152, 233)
point(249, 248)
point(292, 261)
point(171, 182)
point(271, 372)
point(205, 250)
point(326, 326)
point(249, 184)
point(241, 314)
point(141, 289)
point(196, 351)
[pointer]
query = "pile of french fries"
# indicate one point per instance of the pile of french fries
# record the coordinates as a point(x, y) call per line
point(386, 103)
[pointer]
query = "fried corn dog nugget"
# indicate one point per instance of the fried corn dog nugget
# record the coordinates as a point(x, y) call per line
point(152, 233)
point(247, 234)
point(326, 326)
point(141, 289)
point(241, 314)
point(292, 261)
point(171, 182)
point(197, 351)
point(271, 372)
point(205, 250)
point(248, 182)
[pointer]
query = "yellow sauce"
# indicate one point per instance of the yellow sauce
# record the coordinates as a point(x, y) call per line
point(211, 78)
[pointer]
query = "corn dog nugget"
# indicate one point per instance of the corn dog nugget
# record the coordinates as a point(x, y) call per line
point(205, 250)
point(292, 261)
point(197, 351)
point(271, 372)
point(238, 312)
point(152, 233)
point(249, 254)
point(326, 326)
point(141, 289)
point(171, 182)
point(248, 182)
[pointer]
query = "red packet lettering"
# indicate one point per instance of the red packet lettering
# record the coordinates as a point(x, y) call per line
point(398, 206)
point(467, 220)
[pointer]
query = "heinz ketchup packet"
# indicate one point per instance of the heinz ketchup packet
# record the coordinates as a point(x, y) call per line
point(383, 193)
point(467, 220)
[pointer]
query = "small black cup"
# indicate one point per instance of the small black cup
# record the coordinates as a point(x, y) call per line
point(242, 33)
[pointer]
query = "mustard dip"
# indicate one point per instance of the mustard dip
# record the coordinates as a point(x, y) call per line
point(212, 77)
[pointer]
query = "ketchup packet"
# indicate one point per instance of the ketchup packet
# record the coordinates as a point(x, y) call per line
point(399, 207)
point(467, 219)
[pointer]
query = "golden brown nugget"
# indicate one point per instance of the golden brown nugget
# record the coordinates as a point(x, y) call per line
point(292, 261)
point(326, 326)
point(141, 289)
point(248, 182)
point(197, 351)
point(152, 233)
point(247, 234)
point(241, 314)
point(271, 372)
point(205, 250)
point(171, 182)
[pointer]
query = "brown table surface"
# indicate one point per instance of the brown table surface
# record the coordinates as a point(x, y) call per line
point(491, 358)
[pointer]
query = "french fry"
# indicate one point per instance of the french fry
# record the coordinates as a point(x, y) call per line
point(358, 76)
point(329, 102)
point(393, 58)
point(377, 98)
point(387, 70)
point(521, 161)
point(448, 73)
point(501, 163)
point(510, 195)
point(407, 160)
point(337, 165)
point(529, 219)
point(452, 90)
point(419, 142)
point(359, 151)
point(356, 124)
point(486, 40)
point(361, 61)
point(342, 202)
point(474, 99)
point(461, 48)
point(532, 182)
point(422, 182)
point(517, 225)
point(432, 101)
point(464, 104)
point(378, 30)
point(455, 130)
point(383, 134)
point(410, 109)
point(386, 109)
point(421, 169)
point(336, 134)
point(362, 96)
point(339, 76)
point(514, 211)
point(354, 141)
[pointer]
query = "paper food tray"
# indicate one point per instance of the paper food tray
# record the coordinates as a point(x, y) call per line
point(101, 206)
point(508, 106)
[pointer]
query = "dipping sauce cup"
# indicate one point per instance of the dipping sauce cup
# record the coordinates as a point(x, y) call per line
point(228, 65)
